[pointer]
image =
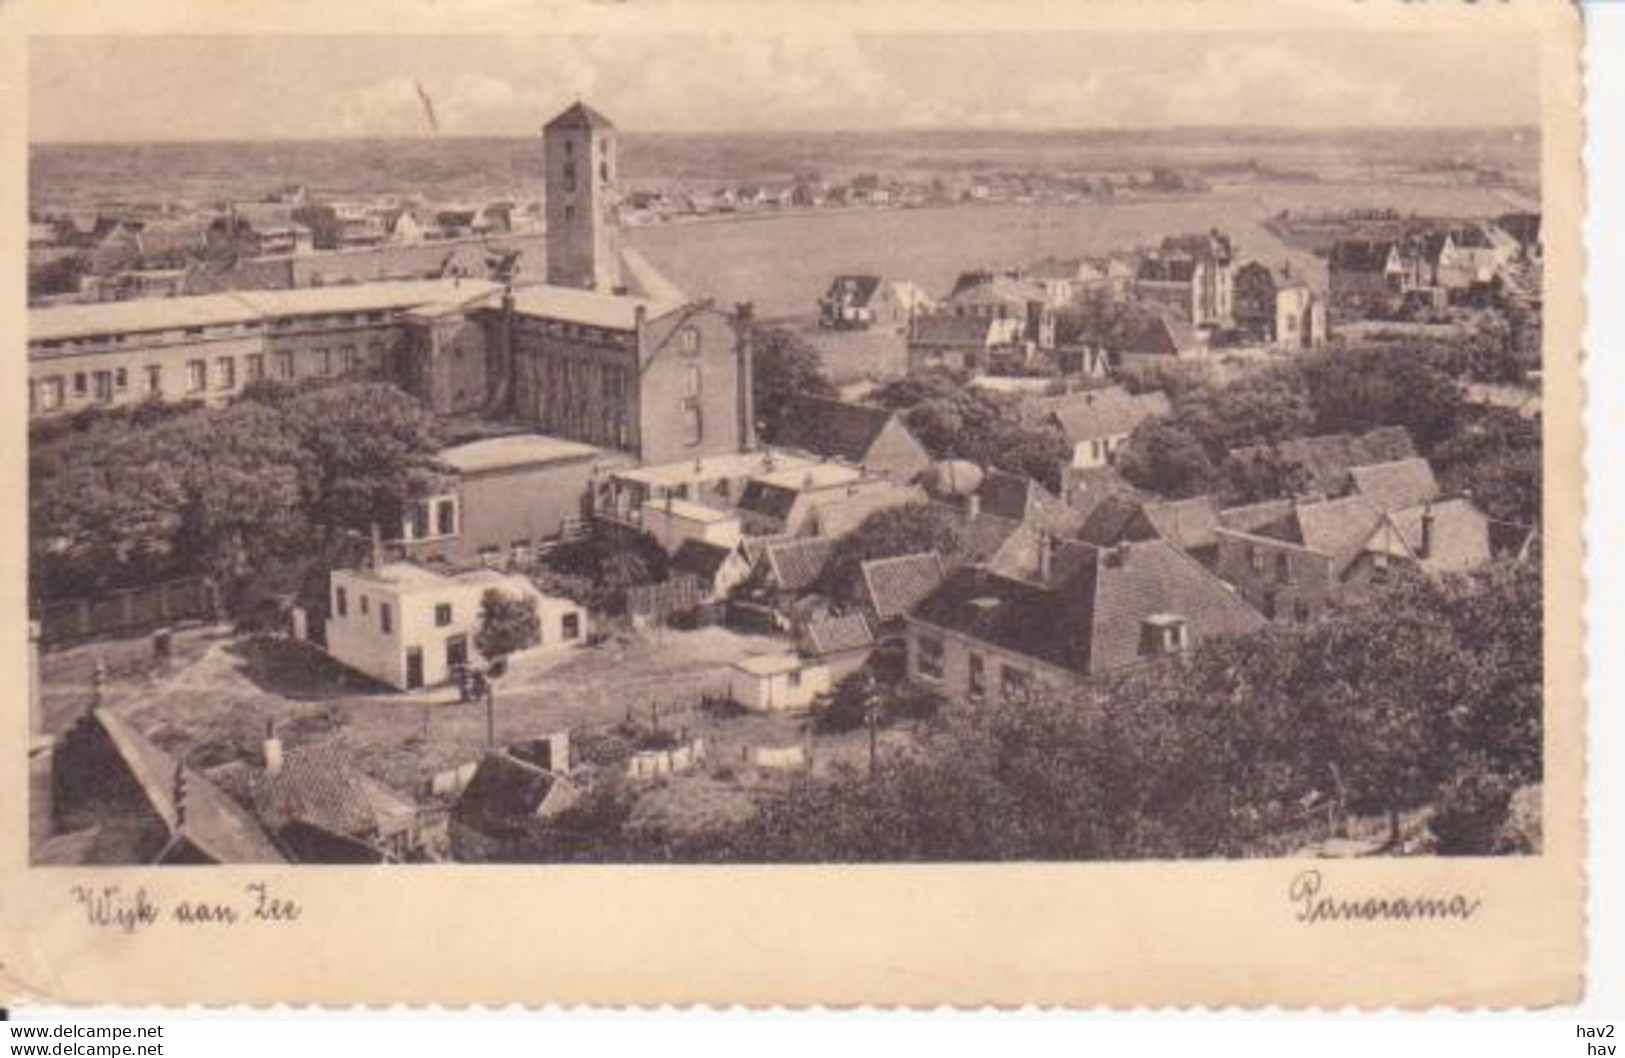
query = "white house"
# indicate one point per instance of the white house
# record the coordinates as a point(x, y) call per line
point(775, 683)
point(672, 521)
point(410, 627)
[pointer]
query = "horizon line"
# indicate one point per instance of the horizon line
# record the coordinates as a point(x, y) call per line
point(1300, 130)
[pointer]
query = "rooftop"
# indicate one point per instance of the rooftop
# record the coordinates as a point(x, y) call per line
point(694, 512)
point(518, 450)
point(769, 664)
point(243, 306)
point(728, 467)
point(617, 312)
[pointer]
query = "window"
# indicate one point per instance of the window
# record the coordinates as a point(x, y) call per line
point(104, 386)
point(491, 557)
point(375, 355)
point(1283, 567)
point(1379, 567)
point(569, 213)
point(442, 615)
point(51, 392)
point(347, 360)
point(1255, 558)
point(691, 380)
point(363, 606)
point(693, 427)
point(419, 528)
point(1015, 685)
point(519, 553)
point(445, 517)
point(570, 627)
point(795, 679)
point(197, 376)
point(386, 618)
point(254, 367)
point(1163, 634)
point(688, 341)
point(928, 658)
point(284, 366)
point(569, 176)
point(1269, 603)
point(1300, 610)
point(324, 362)
point(81, 384)
point(341, 601)
point(976, 688)
point(121, 379)
point(225, 373)
point(603, 171)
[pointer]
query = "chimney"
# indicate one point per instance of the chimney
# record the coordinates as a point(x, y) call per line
point(1426, 549)
point(271, 749)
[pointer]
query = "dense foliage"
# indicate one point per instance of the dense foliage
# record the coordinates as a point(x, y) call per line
point(784, 367)
point(954, 421)
point(508, 624)
point(156, 492)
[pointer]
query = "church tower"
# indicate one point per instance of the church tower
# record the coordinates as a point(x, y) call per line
point(581, 155)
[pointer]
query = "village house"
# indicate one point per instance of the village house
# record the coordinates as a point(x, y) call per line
point(871, 438)
point(506, 499)
point(862, 302)
point(1319, 465)
point(1193, 275)
point(1190, 524)
point(673, 522)
point(512, 788)
point(1365, 277)
point(791, 502)
point(320, 807)
point(985, 635)
point(1278, 308)
point(1097, 422)
point(1292, 568)
point(1007, 296)
point(952, 341)
point(715, 481)
point(411, 627)
point(1156, 337)
point(776, 683)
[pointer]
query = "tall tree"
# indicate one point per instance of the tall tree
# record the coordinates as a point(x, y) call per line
point(784, 367)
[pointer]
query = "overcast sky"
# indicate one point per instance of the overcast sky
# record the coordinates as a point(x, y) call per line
point(167, 88)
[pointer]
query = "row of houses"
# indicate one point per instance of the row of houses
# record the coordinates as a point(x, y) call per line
point(1434, 264)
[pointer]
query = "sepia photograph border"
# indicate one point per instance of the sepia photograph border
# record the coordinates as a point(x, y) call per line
point(1142, 934)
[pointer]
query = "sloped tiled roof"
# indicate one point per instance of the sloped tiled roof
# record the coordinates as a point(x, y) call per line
point(797, 564)
point(1335, 528)
point(1254, 517)
point(1391, 486)
point(1021, 499)
point(319, 786)
point(1154, 334)
point(579, 116)
point(700, 558)
point(503, 791)
point(1188, 524)
point(1458, 541)
point(857, 290)
point(893, 586)
point(836, 429)
point(1089, 619)
point(1324, 461)
point(838, 517)
point(1099, 414)
point(835, 635)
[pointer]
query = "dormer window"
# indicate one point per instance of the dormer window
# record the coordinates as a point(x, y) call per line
point(1162, 634)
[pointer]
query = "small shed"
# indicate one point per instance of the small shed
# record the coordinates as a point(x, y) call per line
point(777, 682)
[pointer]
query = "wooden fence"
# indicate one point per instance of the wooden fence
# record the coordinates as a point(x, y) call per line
point(128, 610)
